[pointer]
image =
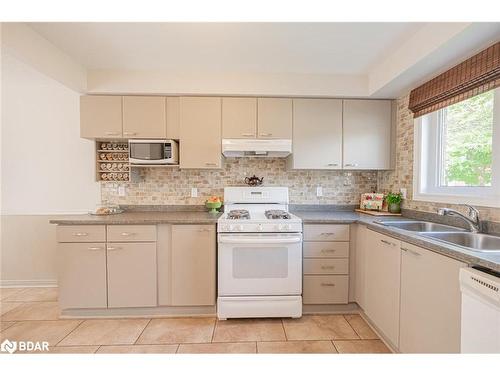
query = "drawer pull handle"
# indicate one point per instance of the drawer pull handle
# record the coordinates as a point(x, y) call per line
point(95, 248)
point(266, 134)
point(248, 135)
point(332, 165)
point(211, 164)
point(127, 234)
point(351, 165)
point(112, 133)
point(203, 230)
point(387, 242)
point(80, 234)
point(129, 133)
point(327, 267)
point(327, 234)
point(328, 250)
point(110, 248)
point(327, 284)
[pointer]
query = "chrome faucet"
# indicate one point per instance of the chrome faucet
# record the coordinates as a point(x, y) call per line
point(472, 217)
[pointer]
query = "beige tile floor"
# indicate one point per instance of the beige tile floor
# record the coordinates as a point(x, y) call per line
point(31, 314)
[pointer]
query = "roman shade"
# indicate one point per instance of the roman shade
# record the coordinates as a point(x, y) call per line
point(476, 75)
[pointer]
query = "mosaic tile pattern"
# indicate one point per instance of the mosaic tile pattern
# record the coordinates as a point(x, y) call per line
point(402, 176)
point(173, 186)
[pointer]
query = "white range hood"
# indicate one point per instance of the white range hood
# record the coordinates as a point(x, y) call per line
point(271, 148)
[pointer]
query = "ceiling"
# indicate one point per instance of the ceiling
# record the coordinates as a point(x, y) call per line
point(302, 48)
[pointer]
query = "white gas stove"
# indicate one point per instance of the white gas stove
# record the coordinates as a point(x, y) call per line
point(259, 255)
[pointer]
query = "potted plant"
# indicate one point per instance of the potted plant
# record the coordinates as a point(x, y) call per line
point(394, 202)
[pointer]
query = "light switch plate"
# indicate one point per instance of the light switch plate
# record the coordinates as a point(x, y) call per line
point(194, 192)
point(319, 191)
point(121, 191)
point(403, 192)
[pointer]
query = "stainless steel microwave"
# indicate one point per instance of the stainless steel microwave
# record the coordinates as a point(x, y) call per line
point(156, 151)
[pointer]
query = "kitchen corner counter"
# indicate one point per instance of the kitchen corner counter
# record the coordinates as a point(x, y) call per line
point(489, 260)
point(140, 217)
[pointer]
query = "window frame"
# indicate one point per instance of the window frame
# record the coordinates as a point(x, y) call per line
point(426, 168)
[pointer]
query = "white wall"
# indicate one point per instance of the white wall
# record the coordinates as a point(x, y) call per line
point(47, 169)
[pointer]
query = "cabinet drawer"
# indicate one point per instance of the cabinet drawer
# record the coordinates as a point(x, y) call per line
point(326, 249)
point(326, 232)
point(131, 233)
point(325, 289)
point(326, 266)
point(81, 233)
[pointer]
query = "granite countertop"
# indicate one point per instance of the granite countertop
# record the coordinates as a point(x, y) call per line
point(489, 260)
point(141, 217)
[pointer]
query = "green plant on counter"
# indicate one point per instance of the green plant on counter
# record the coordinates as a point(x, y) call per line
point(394, 198)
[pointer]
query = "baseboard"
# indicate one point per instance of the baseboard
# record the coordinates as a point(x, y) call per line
point(28, 283)
point(349, 308)
point(384, 339)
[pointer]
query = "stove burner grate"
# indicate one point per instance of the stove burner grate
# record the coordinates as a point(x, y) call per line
point(277, 214)
point(238, 214)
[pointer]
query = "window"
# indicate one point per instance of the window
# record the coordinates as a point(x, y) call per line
point(457, 151)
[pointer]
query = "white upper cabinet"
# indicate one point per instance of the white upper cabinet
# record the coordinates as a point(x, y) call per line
point(101, 116)
point(239, 117)
point(274, 118)
point(200, 133)
point(367, 134)
point(317, 134)
point(144, 117)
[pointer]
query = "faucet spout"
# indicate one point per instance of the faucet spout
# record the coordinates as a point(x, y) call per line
point(472, 217)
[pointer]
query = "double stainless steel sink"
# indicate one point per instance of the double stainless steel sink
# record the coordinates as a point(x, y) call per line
point(452, 235)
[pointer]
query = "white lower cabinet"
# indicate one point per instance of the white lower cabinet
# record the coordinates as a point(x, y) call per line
point(382, 283)
point(131, 274)
point(82, 275)
point(430, 302)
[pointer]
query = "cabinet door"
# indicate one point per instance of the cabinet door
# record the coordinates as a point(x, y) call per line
point(317, 134)
point(360, 265)
point(274, 118)
point(144, 117)
point(173, 117)
point(383, 264)
point(239, 117)
point(430, 302)
point(200, 133)
point(193, 265)
point(367, 134)
point(82, 275)
point(101, 116)
point(131, 274)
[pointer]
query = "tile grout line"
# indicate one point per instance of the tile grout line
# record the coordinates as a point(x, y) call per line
point(140, 334)
point(350, 325)
point(213, 331)
point(69, 333)
point(284, 330)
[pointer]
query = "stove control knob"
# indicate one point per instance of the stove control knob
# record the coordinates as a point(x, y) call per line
point(284, 227)
point(260, 228)
point(239, 227)
point(223, 228)
point(231, 228)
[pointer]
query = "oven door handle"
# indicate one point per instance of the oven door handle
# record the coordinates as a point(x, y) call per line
point(259, 240)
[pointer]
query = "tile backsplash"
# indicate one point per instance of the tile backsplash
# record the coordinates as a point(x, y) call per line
point(173, 186)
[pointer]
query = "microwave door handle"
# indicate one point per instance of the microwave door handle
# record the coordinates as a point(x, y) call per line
point(249, 240)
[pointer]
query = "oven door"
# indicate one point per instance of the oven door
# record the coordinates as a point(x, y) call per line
point(255, 264)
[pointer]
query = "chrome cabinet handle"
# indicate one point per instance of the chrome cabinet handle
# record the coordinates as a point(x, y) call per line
point(387, 242)
point(332, 164)
point(127, 234)
point(327, 267)
point(94, 248)
point(80, 234)
point(111, 133)
point(265, 134)
point(351, 165)
point(129, 133)
point(328, 251)
point(203, 230)
point(327, 284)
point(211, 164)
point(247, 135)
point(110, 248)
point(413, 252)
point(327, 234)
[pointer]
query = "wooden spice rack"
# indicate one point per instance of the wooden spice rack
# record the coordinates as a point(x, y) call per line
point(112, 162)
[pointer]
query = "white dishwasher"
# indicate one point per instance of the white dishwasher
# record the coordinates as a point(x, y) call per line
point(480, 311)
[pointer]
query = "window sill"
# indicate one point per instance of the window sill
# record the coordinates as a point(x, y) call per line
point(492, 201)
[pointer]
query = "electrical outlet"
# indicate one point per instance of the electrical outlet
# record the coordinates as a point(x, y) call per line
point(194, 192)
point(403, 192)
point(319, 191)
point(121, 191)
